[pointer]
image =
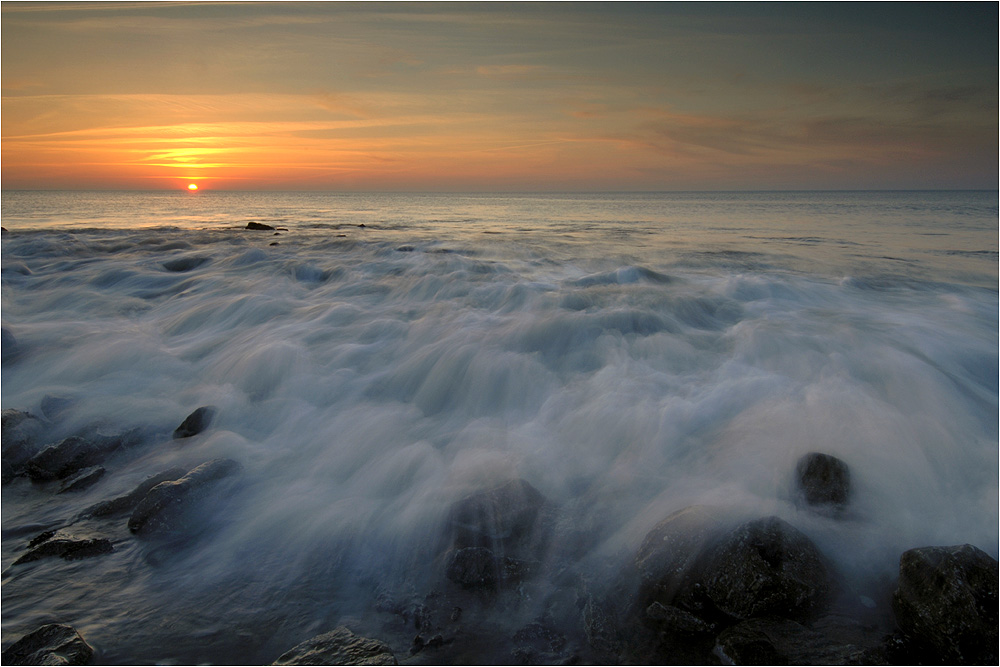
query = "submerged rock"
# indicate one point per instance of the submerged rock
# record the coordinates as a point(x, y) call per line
point(54, 406)
point(84, 479)
point(196, 422)
point(946, 603)
point(478, 567)
point(49, 544)
point(53, 644)
point(823, 480)
point(259, 226)
point(182, 264)
point(162, 508)
point(132, 498)
point(339, 647)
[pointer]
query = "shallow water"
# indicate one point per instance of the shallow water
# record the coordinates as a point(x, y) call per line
point(628, 355)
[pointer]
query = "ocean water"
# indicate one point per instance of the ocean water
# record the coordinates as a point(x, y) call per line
point(382, 356)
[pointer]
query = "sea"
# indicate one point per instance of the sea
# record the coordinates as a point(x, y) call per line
point(378, 357)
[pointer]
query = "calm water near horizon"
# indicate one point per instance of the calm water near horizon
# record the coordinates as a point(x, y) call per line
point(378, 357)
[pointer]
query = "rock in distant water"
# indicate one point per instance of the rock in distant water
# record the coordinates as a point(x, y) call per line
point(259, 226)
point(823, 480)
point(946, 603)
point(161, 509)
point(195, 423)
point(67, 547)
point(52, 644)
point(339, 647)
point(83, 479)
point(182, 264)
point(132, 498)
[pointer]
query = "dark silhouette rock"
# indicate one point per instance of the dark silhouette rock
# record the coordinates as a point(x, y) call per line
point(132, 498)
point(260, 226)
point(73, 454)
point(765, 567)
point(68, 547)
point(196, 422)
point(823, 480)
point(162, 509)
point(339, 647)
point(182, 264)
point(52, 644)
point(946, 604)
point(84, 479)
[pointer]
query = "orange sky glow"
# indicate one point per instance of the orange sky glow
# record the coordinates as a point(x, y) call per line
point(345, 96)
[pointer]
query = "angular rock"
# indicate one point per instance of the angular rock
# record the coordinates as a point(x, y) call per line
point(766, 567)
point(72, 455)
point(67, 548)
point(259, 226)
point(946, 603)
point(132, 498)
point(82, 480)
point(338, 647)
point(162, 508)
point(195, 423)
point(823, 480)
point(52, 644)
point(771, 640)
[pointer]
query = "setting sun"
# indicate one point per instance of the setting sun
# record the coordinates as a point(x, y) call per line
point(192, 187)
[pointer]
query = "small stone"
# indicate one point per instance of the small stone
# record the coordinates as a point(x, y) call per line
point(823, 480)
point(339, 647)
point(52, 644)
point(196, 422)
point(259, 226)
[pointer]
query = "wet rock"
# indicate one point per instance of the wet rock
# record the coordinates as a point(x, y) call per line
point(53, 407)
point(339, 647)
point(538, 644)
point(67, 547)
point(946, 603)
point(196, 422)
point(132, 498)
point(675, 621)
point(772, 640)
point(162, 509)
point(21, 432)
point(8, 345)
point(182, 264)
point(478, 567)
point(765, 567)
point(823, 481)
point(73, 454)
point(52, 644)
point(260, 226)
point(502, 519)
point(84, 479)
point(405, 248)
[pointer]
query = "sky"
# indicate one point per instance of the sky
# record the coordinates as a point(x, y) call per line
point(499, 97)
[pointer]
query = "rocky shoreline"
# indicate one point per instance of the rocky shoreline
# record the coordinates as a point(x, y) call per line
point(707, 585)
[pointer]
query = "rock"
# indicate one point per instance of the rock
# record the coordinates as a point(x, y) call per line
point(339, 647)
point(54, 406)
point(21, 432)
point(538, 644)
point(82, 480)
point(49, 544)
point(478, 567)
point(132, 498)
point(823, 480)
point(73, 454)
point(182, 264)
point(501, 519)
point(196, 422)
point(771, 640)
point(405, 248)
point(765, 567)
point(52, 644)
point(162, 508)
point(676, 621)
point(946, 603)
point(8, 345)
point(259, 226)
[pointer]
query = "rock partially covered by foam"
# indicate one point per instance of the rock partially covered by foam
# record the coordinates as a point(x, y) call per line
point(132, 498)
point(196, 422)
point(495, 535)
point(946, 603)
point(823, 481)
point(53, 644)
point(163, 507)
point(339, 647)
point(73, 454)
point(21, 434)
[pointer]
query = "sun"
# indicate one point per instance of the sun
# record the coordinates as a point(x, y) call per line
point(192, 187)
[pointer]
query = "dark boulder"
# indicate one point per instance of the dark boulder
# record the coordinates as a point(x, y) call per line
point(676, 621)
point(132, 498)
point(946, 604)
point(260, 226)
point(765, 567)
point(21, 432)
point(771, 640)
point(500, 519)
point(52, 644)
point(67, 547)
point(163, 507)
point(196, 422)
point(339, 647)
point(478, 567)
point(73, 454)
point(84, 479)
point(823, 481)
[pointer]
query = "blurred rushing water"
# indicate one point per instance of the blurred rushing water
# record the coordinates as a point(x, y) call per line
point(628, 355)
